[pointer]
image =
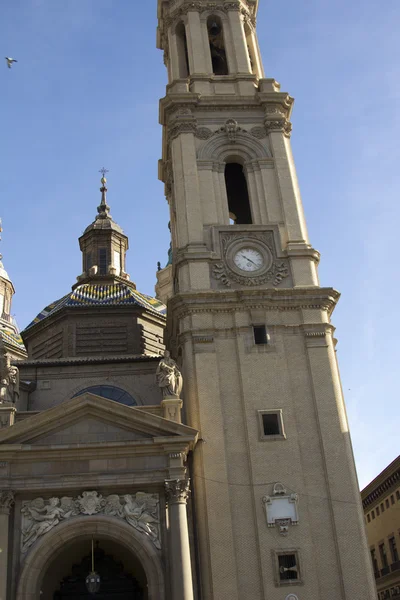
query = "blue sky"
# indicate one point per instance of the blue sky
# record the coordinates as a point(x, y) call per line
point(85, 94)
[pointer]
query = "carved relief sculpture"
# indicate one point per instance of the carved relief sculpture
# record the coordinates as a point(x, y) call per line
point(169, 378)
point(140, 511)
point(6, 500)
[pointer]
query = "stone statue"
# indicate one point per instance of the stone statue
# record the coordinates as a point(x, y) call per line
point(169, 377)
point(9, 379)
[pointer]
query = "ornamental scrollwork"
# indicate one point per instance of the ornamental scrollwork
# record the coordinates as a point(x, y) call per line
point(177, 490)
point(258, 132)
point(220, 274)
point(282, 125)
point(276, 274)
point(275, 271)
point(6, 500)
point(201, 7)
point(203, 133)
point(140, 511)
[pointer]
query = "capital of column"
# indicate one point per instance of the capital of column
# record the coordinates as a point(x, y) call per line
point(6, 501)
point(177, 490)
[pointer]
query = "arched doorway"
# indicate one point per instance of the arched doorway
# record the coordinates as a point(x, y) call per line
point(122, 576)
point(53, 557)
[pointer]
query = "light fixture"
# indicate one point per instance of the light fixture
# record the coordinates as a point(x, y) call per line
point(93, 579)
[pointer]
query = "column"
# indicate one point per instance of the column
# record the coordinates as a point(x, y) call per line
point(6, 502)
point(177, 491)
point(194, 36)
point(239, 42)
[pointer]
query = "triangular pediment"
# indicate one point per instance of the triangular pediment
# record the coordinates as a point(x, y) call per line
point(90, 419)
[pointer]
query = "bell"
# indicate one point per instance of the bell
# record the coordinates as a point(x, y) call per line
point(214, 28)
point(93, 582)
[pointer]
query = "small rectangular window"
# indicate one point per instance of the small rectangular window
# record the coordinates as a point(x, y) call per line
point(89, 262)
point(287, 567)
point(369, 518)
point(374, 562)
point(373, 514)
point(398, 494)
point(103, 261)
point(377, 511)
point(392, 499)
point(382, 507)
point(271, 424)
point(260, 334)
point(382, 552)
point(387, 502)
point(393, 549)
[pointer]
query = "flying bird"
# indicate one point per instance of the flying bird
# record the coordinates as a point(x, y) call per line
point(10, 61)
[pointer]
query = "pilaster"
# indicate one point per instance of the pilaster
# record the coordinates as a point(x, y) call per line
point(6, 503)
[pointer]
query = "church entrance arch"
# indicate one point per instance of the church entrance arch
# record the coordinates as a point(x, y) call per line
point(130, 562)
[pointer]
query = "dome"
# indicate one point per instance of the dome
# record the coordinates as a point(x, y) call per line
point(102, 294)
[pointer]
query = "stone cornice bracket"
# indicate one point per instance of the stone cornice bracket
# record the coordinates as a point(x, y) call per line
point(295, 250)
point(7, 500)
point(281, 124)
point(181, 121)
point(177, 490)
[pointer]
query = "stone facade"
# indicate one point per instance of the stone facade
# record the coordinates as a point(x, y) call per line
point(245, 486)
point(381, 503)
point(251, 325)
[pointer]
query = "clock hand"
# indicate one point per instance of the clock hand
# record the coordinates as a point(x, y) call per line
point(249, 259)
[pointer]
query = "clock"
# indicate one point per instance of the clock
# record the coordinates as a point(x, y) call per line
point(248, 259)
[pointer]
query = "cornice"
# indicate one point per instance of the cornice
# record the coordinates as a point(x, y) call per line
point(97, 360)
point(380, 486)
point(268, 299)
point(169, 13)
point(28, 453)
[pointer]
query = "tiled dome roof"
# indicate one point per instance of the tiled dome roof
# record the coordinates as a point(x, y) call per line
point(113, 294)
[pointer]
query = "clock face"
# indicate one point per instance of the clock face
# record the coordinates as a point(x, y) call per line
point(248, 259)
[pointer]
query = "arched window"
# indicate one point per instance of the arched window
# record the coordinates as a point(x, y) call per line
point(182, 49)
point(238, 195)
point(110, 392)
point(217, 46)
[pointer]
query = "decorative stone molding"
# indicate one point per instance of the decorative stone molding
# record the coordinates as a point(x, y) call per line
point(259, 132)
point(172, 409)
point(6, 501)
point(7, 416)
point(275, 270)
point(231, 129)
point(177, 490)
point(282, 125)
point(140, 511)
point(292, 597)
point(181, 120)
point(203, 133)
point(281, 509)
point(201, 7)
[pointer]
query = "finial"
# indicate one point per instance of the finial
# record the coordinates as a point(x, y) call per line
point(103, 209)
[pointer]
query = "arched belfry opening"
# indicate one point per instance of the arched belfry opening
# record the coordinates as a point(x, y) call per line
point(217, 46)
point(238, 195)
point(182, 48)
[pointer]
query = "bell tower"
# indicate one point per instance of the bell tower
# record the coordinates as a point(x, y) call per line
point(276, 505)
